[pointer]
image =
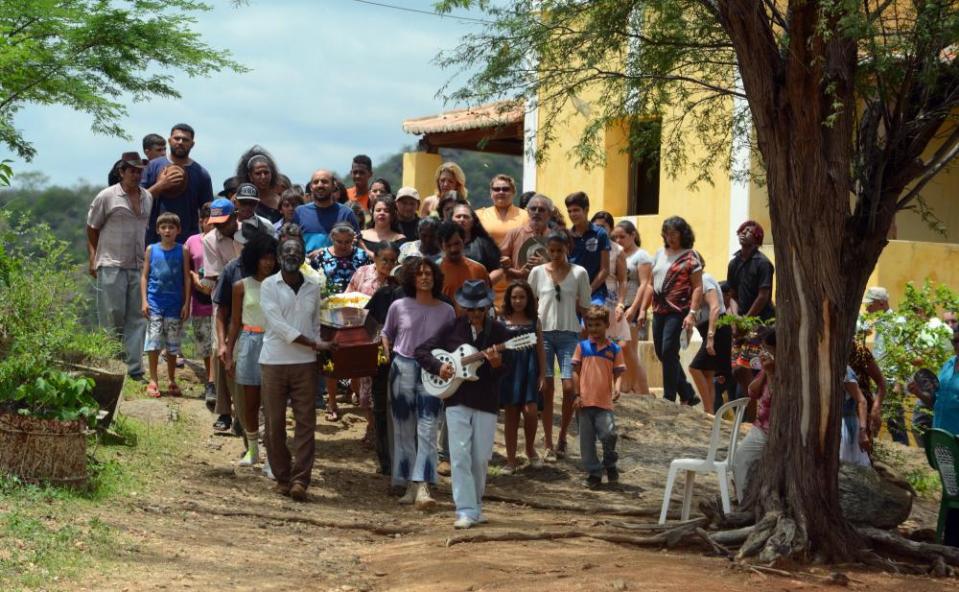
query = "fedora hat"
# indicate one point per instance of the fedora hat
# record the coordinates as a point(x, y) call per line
point(474, 294)
point(133, 159)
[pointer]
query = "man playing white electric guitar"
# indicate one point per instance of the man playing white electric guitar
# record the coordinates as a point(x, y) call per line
point(472, 409)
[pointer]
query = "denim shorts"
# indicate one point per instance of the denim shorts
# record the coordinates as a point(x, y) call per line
point(560, 346)
point(247, 356)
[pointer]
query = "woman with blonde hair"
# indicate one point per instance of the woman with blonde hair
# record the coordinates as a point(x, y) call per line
point(449, 177)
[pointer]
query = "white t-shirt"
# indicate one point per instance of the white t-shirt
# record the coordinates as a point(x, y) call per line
point(709, 285)
point(633, 262)
point(560, 315)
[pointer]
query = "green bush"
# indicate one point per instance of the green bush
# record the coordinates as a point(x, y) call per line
point(43, 298)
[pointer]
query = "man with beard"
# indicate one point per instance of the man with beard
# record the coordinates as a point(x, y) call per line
point(174, 193)
point(318, 218)
point(291, 308)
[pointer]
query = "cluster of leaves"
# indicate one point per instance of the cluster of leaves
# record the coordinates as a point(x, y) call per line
point(51, 394)
point(42, 301)
point(912, 336)
point(94, 56)
point(745, 324)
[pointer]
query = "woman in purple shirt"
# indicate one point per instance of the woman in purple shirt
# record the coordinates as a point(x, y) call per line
point(411, 321)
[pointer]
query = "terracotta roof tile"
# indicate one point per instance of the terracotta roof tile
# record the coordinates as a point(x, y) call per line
point(481, 116)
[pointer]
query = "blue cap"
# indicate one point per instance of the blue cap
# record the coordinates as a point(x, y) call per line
point(220, 210)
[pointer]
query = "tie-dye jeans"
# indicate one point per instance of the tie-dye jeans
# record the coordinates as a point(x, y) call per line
point(414, 424)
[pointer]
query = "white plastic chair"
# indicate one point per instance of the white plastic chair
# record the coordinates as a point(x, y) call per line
point(709, 464)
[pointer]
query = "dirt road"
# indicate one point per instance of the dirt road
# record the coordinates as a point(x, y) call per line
point(208, 525)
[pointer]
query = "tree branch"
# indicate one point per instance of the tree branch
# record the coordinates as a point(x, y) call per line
point(948, 151)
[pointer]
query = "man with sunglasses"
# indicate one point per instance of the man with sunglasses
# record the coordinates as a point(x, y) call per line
point(472, 410)
point(539, 209)
point(502, 217)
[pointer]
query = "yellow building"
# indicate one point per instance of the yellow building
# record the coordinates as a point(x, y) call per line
point(713, 210)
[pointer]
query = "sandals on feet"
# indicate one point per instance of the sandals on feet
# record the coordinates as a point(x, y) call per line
point(153, 391)
point(332, 416)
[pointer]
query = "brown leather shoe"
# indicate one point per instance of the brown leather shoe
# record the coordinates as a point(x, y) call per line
point(443, 468)
point(282, 488)
point(298, 492)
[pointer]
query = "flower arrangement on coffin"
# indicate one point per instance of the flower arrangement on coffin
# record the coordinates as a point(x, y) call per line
point(344, 321)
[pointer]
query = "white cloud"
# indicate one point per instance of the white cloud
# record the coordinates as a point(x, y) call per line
point(329, 79)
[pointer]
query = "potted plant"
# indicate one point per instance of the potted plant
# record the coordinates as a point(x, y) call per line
point(44, 417)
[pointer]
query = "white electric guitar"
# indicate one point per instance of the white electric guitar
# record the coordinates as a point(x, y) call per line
point(466, 361)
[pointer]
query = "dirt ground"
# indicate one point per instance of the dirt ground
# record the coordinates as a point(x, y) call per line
point(212, 526)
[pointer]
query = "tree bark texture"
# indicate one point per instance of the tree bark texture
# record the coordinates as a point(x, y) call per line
point(802, 100)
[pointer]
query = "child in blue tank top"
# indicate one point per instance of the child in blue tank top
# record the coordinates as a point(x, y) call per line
point(165, 293)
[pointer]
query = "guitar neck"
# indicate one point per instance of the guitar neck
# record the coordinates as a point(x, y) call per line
point(479, 355)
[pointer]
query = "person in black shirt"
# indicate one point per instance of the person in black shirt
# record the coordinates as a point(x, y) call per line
point(471, 411)
point(407, 202)
point(750, 280)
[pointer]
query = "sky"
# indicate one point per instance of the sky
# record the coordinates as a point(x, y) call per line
point(329, 79)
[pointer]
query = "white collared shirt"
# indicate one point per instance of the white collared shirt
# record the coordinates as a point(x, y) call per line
point(288, 315)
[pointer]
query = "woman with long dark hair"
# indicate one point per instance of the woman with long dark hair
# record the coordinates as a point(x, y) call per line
point(479, 246)
point(410, 322)
point(521, 387)
point(257, 166)
point(677, 294)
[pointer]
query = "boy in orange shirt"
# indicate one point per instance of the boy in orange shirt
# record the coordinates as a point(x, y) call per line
point(598, 367)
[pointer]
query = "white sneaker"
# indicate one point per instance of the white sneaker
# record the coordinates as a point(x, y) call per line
point(268, 471)
point(482, 519)
point(464, 522)
point(249, 459)
point(424, 501)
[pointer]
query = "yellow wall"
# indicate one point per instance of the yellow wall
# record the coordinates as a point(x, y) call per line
point(706, 208)
point(419, 171)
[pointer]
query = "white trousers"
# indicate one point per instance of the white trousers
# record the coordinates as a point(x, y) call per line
point(471, 448)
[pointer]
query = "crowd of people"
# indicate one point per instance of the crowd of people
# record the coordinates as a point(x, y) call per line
point(252, 267)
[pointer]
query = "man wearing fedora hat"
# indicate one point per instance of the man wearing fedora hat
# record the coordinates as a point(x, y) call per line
point(116, 229)
point(471, 411)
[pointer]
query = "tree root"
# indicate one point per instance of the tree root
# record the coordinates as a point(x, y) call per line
point(734, 537)
point(719, 549)
point(379, 529)
point(903, 547)
point(655, 526)
point(669, 538)
point(578, 508)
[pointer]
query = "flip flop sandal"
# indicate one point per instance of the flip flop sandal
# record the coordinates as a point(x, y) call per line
point(332, 416)
point(153, 391)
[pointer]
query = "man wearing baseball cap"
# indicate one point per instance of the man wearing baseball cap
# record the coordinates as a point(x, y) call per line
point(116, 227)
point(247, 198)
point(407, 202)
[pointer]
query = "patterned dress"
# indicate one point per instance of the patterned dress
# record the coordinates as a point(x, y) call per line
point(339, 270)
point(520, 385)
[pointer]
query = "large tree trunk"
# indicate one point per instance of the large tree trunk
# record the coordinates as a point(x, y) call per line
point(822, 265)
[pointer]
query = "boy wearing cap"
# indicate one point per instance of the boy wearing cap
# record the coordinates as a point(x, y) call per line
point(116, 227)
point(247, 198)
point(472, 410)
point(165, 292)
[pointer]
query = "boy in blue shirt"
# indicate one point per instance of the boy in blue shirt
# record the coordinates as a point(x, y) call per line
point(165, 293)
point(598, 367)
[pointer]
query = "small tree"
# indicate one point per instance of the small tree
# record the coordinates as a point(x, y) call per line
point(852, 106)
point(96, 55)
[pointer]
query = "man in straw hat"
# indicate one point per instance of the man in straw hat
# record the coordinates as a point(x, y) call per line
point(116, 227)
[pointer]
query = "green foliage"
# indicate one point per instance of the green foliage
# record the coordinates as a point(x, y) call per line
point(925, 482)
point(63, 209)
point(910, 340)
point(676, 61)
point(42, 302)
point(95, 55)
point(744, 324)
point(53, 394)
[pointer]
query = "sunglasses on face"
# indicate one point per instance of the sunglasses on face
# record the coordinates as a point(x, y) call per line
point(501, 189)
point(535, 209)
point(478, 309)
